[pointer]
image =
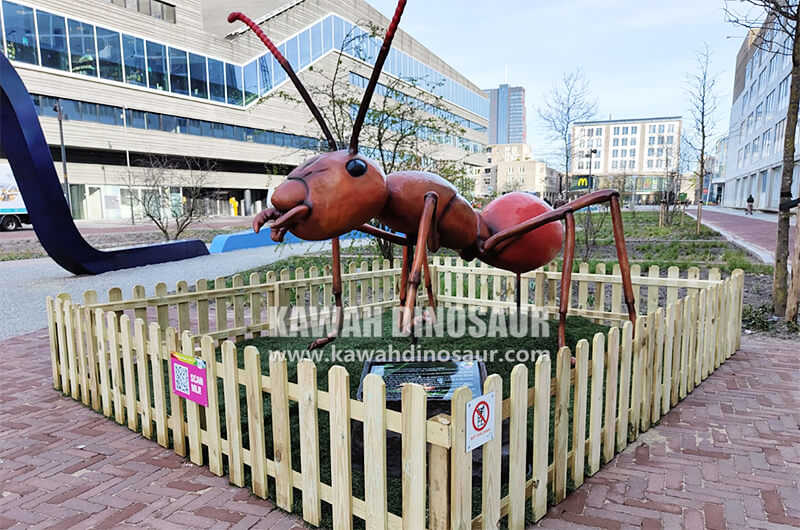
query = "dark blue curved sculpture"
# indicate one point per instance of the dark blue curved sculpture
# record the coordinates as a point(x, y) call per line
point(25, 146)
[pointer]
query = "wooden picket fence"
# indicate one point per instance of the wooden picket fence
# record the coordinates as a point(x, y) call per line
point(113, 356)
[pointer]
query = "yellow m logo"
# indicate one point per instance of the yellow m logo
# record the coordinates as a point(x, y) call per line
point(583, 182)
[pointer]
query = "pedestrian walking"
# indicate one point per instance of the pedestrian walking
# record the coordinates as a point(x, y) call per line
point(750, 201)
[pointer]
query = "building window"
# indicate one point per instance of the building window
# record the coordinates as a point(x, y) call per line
point(20, 33)
point(178, 71)
point(616, 130)
point(632, 153)
point(660, 129)
point(669, 140)
point(157, 66)
point(52, 40)
point(197, 76)
point(625, 130)
point(614, 153)
point(633, 130)
point(631, 164)
point(651, 151)
point(624, 141)
point(633, 141)
point(216, 80)
point(250, 82)
point(651, 140)
point(264, 65)
point(109, 54)
point(614, 164)
point(615, 142)
point(82, 48)
point(660, 140)
point(234, 83)
point(652, 129)
point(135, 67)
point(135, 119)
point(671, 128)
point(598, 131)
point(650, 164)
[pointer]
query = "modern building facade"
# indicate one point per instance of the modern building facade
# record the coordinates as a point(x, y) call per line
point(715, 191)
point(511, 167)
point(144, 78)
point(507, 115)
point(758, 126)
point(638, 156)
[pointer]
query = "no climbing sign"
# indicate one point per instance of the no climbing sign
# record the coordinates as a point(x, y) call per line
point(480, 424)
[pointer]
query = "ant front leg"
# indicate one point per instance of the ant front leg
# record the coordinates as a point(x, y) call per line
point(420, 257)
point(337, 294)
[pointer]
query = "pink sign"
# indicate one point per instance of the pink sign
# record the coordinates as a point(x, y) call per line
point(188, 375)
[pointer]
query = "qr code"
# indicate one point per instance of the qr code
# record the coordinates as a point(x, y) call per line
point(181, 378)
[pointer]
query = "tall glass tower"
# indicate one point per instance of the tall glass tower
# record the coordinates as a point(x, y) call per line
point(507, 117)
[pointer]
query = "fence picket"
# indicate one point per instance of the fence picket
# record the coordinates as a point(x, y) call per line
point(127, 366)
point(202, 307)
point(518, 444)
point(702, 307)
point(583, 287)
point(192, 410)
point(342, 486)
point(221, 306)
point(143, 377)
point(61, 333)
point(375, 493)
point(233, 424)
point(159, 397)
point(460, 462)
point(102, 355)
point(80, 351)
point(414, 410)
point(579, 412)
point(616, 291)
point(612, 376)
point(176, 422)
point(69, 325)
point(492, 453)
point(52, 333)
point(624, 385)
point(669, 337)
point(600, 290)
point(652, 290)
point(256, 304)
point(596, 409)
point(116, 371)
point(255, 421)
point(281, 430)
point(639, 349)
point(309, 440)
point(213, 435)
point(184, 311)
point(561, 424)
point(648, 371)
point(658, 369)
point(673, 273)
point(541, 442)
point(677, 350)
point(139, 294)
point(238, 307)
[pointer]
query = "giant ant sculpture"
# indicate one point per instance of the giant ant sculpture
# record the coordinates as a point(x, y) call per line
point(340, 191)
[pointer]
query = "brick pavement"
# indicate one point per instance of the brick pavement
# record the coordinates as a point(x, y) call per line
point(727, 457)
point(62, 465)
point(759, 233)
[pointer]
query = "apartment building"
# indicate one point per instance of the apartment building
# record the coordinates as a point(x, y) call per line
point(507, 115)
point(511, 167)
point(144, 78)
point(637, 156)
point(758, 124)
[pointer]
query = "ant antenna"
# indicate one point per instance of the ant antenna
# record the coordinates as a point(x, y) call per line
point(290, 72)
point(376, 73)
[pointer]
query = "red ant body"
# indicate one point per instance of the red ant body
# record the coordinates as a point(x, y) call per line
point(340, 191)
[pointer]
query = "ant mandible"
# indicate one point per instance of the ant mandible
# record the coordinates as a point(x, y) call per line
point(342, 190)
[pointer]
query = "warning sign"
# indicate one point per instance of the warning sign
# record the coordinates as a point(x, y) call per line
point(480, 422)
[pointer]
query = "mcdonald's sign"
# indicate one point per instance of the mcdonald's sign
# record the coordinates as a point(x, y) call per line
point(582, 182)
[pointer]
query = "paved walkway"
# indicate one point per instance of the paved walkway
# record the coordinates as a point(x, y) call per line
point(63, 465)
point(727, 457)
point(755, 233)
point(25, 284)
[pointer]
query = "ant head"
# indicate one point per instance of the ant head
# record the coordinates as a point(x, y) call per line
point(329, 195)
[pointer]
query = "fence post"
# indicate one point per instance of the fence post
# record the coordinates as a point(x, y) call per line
point(439, 482)
point(375, 492)
point(518, 443)
point(460, 463)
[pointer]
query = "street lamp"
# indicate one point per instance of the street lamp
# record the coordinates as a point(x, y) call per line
point(591, 152)
point(57, 108)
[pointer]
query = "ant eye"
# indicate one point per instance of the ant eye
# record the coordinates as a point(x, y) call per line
point(356, 167)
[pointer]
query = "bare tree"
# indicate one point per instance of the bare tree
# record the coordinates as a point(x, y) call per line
point(170, 191)
point(703, 104)
point(569, 101)
point(773, 26)
point(407, 126)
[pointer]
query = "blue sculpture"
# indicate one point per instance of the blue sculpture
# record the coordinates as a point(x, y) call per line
point(24, 144)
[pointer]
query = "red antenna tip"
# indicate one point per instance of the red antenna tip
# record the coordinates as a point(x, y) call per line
point(233, 17)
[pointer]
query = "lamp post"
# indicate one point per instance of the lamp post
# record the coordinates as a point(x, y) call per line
point(57, 108)
point(591, 152)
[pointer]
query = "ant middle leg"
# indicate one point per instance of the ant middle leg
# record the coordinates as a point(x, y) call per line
point(420, 257)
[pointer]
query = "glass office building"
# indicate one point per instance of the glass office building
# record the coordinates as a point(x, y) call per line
point(148, 68)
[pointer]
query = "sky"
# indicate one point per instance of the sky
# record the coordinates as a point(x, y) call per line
point(636, 54)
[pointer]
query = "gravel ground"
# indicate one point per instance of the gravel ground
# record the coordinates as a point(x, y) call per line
point(25, 284)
